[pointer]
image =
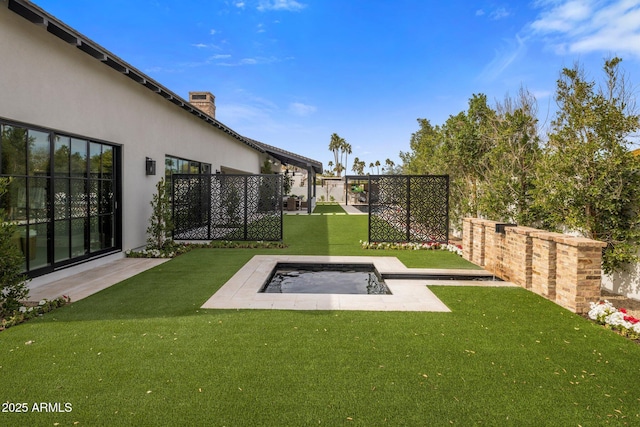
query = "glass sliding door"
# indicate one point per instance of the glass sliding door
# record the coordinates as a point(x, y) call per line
point(39, 181)
point(62, 196)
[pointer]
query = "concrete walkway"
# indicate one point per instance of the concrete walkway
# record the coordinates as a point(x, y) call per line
point(80, 283)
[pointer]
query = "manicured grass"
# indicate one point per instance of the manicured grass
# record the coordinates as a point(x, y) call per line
point(328, 208)
point(143, 353)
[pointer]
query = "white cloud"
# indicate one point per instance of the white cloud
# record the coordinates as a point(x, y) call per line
point(200, 45)
point(495, 15)
point(302, 110)
point(573, 26)
point(499, 13)
point(289, 5)
point(239, 4)
point(220, 56)
point(212, 32)
point(258, 60)
point(504, 57)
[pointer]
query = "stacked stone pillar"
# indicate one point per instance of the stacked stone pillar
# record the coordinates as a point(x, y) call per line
point(578, 272)
point(543, 264)
point(518, 255)
point(564, 269)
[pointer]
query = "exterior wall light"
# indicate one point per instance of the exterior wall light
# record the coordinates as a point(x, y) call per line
point(150, 166)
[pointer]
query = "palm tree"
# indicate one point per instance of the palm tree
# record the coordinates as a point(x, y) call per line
point(371, 166)
point(335, 146)
point(330, 164)
point(346, 150)
point(358, 166)
point(390, 164)
point(378, 166)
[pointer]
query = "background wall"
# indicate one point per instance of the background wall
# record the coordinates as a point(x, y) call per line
point(49, 83)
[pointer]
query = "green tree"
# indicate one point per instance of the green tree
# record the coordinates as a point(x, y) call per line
point(426, 155)
point(510, 173)
point(13, 288)
point(467, 138)
point(588, 180)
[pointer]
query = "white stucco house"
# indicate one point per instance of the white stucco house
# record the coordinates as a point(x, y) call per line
point(81, 134)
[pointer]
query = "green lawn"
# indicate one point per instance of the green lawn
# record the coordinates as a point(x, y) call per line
point(328, 208)
point(143, 353)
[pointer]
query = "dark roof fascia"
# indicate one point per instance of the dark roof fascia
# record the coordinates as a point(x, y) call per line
point(39, 17)
point(288, 157)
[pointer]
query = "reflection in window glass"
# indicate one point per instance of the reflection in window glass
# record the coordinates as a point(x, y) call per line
point(78, 247)
point(38, 249)
point(61, 195)
point(95, 159)
point(16, 200)
point(61, 154)
point(61, 199)
point(38, 153)
point(107, 162)
point(78, 157)
point(62, 247)
point(20, 240)
point(13, 151)
point(38, 200)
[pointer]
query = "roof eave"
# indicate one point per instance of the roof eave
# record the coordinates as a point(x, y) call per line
point(39, 17)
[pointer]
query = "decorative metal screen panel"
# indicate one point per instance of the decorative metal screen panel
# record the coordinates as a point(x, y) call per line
point(227, 207)
point(409, 208)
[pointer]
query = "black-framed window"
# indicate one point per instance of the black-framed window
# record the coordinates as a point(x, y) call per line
point(173, 164)
point(63, 195)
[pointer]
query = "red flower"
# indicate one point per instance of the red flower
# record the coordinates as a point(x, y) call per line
point(631, 319)
point(623, 310)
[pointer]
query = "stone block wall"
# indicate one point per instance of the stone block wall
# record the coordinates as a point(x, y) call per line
point(543, 264)
point(564, 269)
point(518, 255)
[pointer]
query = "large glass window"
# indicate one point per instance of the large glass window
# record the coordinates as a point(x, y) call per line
point(62, 195)
point(177, 165)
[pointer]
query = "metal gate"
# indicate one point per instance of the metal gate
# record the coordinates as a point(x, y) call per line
point(227, 207)
point(409, 208)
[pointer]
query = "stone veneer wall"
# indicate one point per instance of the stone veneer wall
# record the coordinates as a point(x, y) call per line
point(564, 269)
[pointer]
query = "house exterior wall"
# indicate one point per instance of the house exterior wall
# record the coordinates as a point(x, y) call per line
point(49, 83)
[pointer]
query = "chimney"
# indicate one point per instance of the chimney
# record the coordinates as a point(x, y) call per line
point(204, 101)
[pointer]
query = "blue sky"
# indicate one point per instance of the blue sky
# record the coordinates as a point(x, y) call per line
point(292, 72)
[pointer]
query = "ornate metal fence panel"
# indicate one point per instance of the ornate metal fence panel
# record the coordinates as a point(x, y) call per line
point(227, 207)
point(409, 208)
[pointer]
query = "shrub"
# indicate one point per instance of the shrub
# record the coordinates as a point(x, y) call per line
point(160, 223)
point(13, 287)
